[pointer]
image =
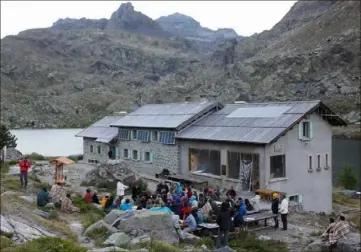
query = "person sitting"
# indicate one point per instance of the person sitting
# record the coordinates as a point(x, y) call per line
point(126, 206)
point(162, 188)
point(169, 196)
point(189, 223)
point(57, 193)
point(211, 218)
point(116, 204)
point(200, 217)
point(193, 202)
point(231, 192)
point(67, 205)
point(325, 236)
point(248, 204)
point(149, 204)
point(176, 206)
point(109, 204)
point(87, 197)
point(103, 202)
point(195, 215)
point(206, 208)
point(43, 200)
point(340, 229)
point(195, 194)
point(136, 191)
point(162, 208)
point(238, 220)
point(95, 198)
point(143, 203)
point(189, 193)
point(255, 202)
point(185, 209)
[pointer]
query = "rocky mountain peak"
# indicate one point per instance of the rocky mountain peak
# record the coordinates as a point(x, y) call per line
point(179, 18)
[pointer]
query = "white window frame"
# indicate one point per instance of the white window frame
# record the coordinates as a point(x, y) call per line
point(284, 161)
point(132, 134)
point(91, 148)
point(128, 156)
point(327, 161)
point(307, 122)
point(99, 148)
point(175, 134)
point(138, 155)
point(310, 162)
point(153, 131)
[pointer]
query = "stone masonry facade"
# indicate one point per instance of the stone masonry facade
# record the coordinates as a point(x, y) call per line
point(95, 156)
point(166, 156)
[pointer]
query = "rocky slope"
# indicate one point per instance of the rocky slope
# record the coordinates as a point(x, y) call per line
point(77, 71)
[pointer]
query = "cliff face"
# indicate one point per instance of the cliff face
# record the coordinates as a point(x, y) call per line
point(79, 70)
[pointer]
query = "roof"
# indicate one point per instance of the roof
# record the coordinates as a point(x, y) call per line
point(101, 130)
point(259, 123)
point(168, 116)
point(62, 160)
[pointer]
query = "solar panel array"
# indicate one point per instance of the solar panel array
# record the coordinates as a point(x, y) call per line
point(166, 137)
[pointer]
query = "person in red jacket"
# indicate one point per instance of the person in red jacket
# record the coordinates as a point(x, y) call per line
point(24, 165)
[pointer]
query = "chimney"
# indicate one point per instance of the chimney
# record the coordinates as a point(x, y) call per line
point(240, 102)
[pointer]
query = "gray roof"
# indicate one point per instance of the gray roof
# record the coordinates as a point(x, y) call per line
point(259, 123)
point(168, 116)
point(101, 130)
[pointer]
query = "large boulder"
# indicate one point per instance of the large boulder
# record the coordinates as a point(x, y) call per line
point(98, 225)
point(118, 239)
point(106, 174)
point(144, 222)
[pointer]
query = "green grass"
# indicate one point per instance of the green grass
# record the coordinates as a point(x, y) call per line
point(5, 242)
point(4, 168)
point(344, 200)
point(47, 244)
point(89, 213)
point(99, 235)
point(156, 246)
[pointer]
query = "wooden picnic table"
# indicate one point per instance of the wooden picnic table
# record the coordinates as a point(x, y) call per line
point(255, 218)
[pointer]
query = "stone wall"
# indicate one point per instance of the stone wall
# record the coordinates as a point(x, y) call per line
point(98, 158)
point(165, 156)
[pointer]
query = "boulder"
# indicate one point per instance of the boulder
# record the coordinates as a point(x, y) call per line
point(225, 249)
point(113, 215)
point(140, 239)
point(190, 238)
point(110, 174)
point(155, 224)
point(109, 249)
point(118, 240)
point(100, 224)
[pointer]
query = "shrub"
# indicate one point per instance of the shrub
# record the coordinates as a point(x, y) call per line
point(4, 242)
point(53, 244)
point(99, 235)
point(35, 156)
point(12, 162)
point(347, 178)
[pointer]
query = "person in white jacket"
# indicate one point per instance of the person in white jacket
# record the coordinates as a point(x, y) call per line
point(120, 190)
point(255, 202)
point(284, 211)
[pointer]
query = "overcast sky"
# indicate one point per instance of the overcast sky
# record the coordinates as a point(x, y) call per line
point(246, 18)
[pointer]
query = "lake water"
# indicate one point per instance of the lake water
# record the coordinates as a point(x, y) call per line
point(49, 142)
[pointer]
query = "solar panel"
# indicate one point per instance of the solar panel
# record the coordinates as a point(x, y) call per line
point(124, 134)
point(250, 112)
point(143, 135)
point(166, 137)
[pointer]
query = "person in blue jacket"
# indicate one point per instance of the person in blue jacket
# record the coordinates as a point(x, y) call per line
point(126, 206)
point(238, 220)
point(162, 208)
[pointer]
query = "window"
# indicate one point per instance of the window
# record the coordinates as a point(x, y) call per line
point(318, 161)
point(146, 156)
point(91, 148)
point(154, 136)
point(166, 137)
point(134, 134)
point(126, 153)
point(278, 166)
point(124, 134)
point(310, 162)
point(99, 150)
point(326, 160)
point(306, 129)
point(135, 155)
point(205, 161)
point(143, 135)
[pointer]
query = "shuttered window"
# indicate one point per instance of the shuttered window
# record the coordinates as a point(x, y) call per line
point(143, 135)
point(124, 134)
point(167, 137)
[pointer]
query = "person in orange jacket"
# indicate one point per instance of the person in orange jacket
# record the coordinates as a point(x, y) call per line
point(24, 165)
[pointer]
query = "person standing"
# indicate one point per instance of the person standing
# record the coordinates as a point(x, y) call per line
point(224, 222)
point(24, 165)
point(120, 190)
point(274, 208)
point(284, 211)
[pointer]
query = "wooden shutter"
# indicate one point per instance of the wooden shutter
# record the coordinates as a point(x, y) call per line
point(151, 156)
point(311, 129)
point(300, 130)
